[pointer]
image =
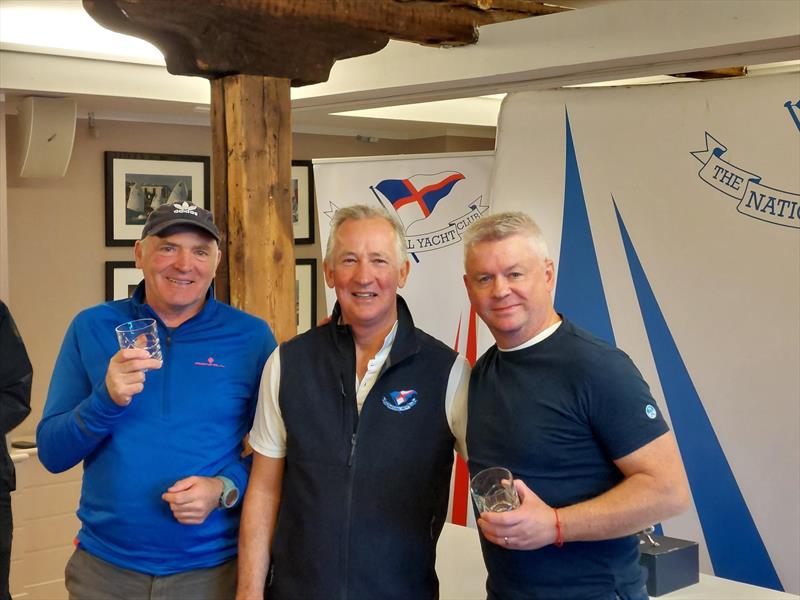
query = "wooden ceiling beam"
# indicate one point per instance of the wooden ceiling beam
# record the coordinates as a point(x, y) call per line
point(296, 39)
point(714, 73)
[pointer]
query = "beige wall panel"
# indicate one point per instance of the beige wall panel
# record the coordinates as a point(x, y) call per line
point(48, 533)
point(61, 498)
point(20, 532)
point(14, 584)
point(16, 506)
point(43, 566)
point(52, 590)
point(307, 146)
point(45, 524)
point(32, 474)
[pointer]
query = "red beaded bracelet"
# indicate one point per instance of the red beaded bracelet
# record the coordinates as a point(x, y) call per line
point(559, 534)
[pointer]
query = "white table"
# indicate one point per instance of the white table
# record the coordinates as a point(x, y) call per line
point(462, 575)
point(714, 588)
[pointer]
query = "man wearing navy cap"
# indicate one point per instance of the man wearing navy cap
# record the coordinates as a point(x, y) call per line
point(160, 442)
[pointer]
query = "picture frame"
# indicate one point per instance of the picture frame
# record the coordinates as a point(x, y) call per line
point(302, 196)
point(136, 183)
point(122, 277)
point(305, 286)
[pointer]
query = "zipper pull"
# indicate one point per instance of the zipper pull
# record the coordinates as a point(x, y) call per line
point(352, 450)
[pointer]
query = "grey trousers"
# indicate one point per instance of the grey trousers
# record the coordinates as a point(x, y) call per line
point(90, 578)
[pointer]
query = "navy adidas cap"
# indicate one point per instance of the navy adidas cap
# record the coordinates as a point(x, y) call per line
point(184, 213)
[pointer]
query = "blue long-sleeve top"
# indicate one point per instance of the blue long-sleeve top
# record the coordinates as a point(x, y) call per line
point(190, 419)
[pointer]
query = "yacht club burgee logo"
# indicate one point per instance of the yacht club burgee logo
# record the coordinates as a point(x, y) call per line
point(756, 200)
point(415, 198)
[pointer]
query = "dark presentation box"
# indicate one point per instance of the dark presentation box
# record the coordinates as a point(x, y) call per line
point(671, 565)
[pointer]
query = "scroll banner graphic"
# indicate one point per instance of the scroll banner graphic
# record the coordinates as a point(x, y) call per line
point(449, 235)
point(755, 199)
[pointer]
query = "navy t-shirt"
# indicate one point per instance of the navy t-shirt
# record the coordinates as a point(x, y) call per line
point(557, 414)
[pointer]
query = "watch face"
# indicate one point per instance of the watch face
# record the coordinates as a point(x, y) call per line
point(230, 498)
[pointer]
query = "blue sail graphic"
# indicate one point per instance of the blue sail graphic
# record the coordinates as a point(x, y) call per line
point(734, 543)
point(579, 293)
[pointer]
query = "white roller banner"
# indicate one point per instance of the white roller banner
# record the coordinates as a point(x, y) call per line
point(673, 215)
point(435, 197)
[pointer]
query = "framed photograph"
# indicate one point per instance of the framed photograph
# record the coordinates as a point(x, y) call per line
point(305, 289)
point(122, 277)
point(137, 184)
point(302, 192)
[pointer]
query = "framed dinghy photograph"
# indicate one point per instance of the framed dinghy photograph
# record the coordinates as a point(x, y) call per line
point(136, 184)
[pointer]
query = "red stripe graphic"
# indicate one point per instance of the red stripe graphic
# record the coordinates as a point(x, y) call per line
point(418, 195)
point(472, 337)
point(460, 492)
point(461, 477)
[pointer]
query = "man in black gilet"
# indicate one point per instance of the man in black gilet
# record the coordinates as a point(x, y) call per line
point(353, 438)
point(573, 420)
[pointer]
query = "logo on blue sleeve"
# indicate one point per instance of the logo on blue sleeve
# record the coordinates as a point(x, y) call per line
point(650, 411)
point(400, 401)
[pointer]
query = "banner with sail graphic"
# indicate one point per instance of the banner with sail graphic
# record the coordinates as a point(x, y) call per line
point(672, 214)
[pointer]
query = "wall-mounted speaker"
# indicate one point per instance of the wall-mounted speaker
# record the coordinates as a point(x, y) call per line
point(48, 131)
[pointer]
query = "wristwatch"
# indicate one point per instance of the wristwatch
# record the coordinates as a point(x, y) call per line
point(230, 493)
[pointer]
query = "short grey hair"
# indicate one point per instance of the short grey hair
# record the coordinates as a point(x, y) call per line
point(503, 225)
point(359, 212)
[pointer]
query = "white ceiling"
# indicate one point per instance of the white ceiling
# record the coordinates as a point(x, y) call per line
point(52, 47)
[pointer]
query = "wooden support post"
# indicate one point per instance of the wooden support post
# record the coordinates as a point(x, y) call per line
point(252, 162)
